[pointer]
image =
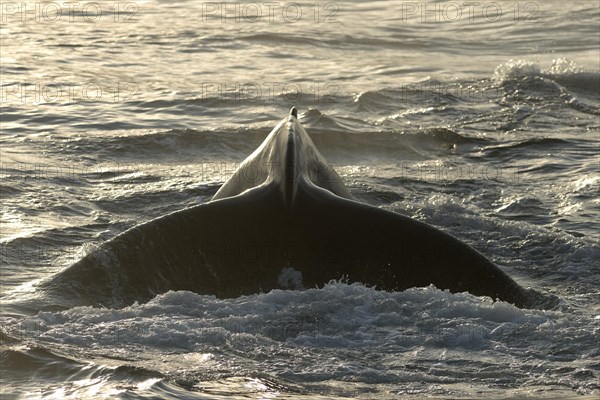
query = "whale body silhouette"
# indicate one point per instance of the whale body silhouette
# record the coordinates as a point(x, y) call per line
point(283, 220)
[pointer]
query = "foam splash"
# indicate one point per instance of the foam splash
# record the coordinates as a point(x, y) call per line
point(515, 69)
point(318, 337)
point(289, 278)
point(563, 66)
point(519, 69)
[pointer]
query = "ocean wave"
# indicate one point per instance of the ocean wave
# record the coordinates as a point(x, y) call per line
point(561, 70)
point(83, 378)
point(342, 139)
point(341, 326)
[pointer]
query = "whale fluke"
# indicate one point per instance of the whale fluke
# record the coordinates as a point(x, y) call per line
point(285, 209)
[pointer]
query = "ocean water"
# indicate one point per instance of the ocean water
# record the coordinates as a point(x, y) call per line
point(481, 119)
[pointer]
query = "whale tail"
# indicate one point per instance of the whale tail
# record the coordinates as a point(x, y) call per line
point(293, 214)
point(240, 245)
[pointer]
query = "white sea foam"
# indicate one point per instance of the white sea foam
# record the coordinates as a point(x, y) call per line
point(338, 332)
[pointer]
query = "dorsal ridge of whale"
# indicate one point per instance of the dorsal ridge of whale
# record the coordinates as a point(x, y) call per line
point(291, 166)
point(286, 159)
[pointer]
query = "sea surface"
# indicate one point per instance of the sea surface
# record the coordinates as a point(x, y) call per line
point(480, 118)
